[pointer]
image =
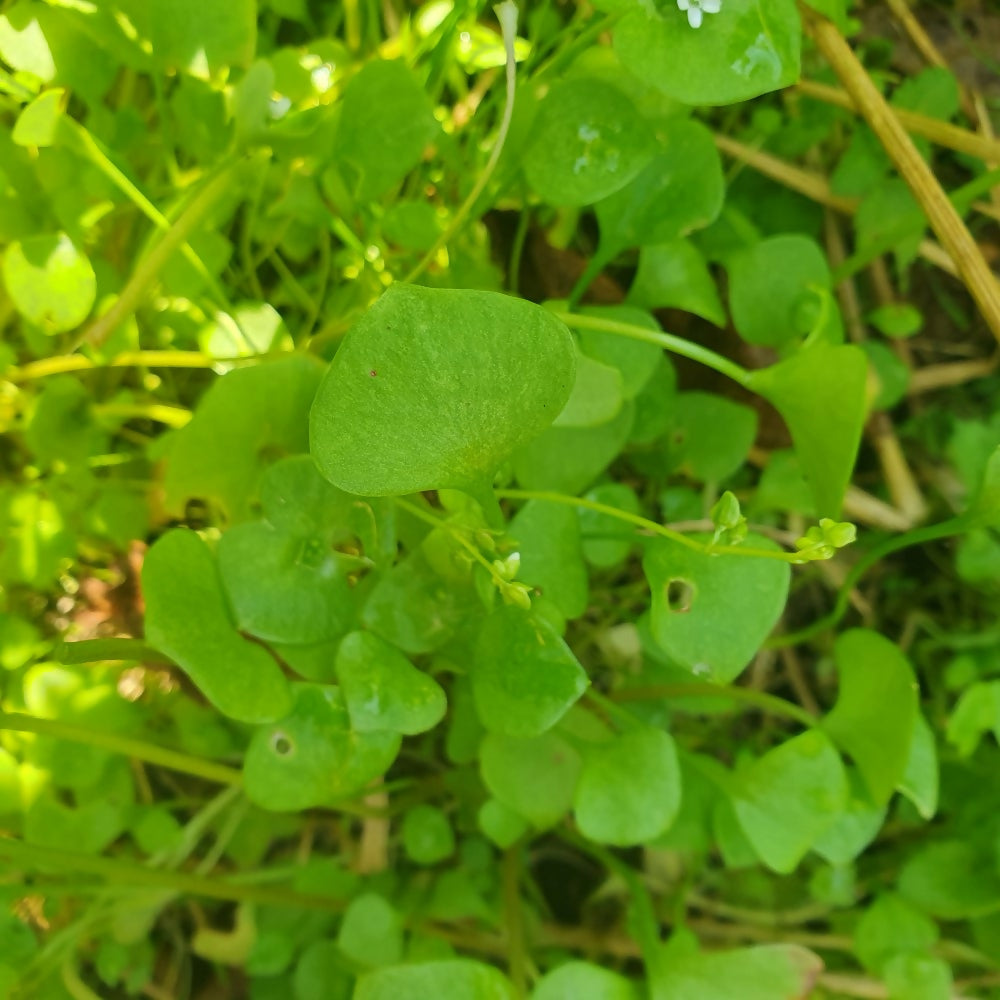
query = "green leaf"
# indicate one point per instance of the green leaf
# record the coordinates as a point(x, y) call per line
point(675, 276)
point(786, 799)
point(285, 588)
point(547, 536)
point(415, 608)
point(456, 979)
point(710, 436)
point(920, 779)
point(890, 926)
point(435, 388)
point(952, 880)
point(427, 835)
point(876, 709)
point(765, 972)
point(576, 980)
point(502, 825)
point(630, 788)
point(295, 498)
point(534, 778)
point(187, 618)
point(383, 690)
point(38, 124)
point(50, 281)
point(854, 829)
point(597, 395)
point(386, 121)
point(371, 932)
point(569, 459)
point(711, 613)
point(774, 289)
point(588, 142)
point(681, 190)
point(320, 974)
point(311, 757)
point(247, 418)
point(820, 393)
point(203, 37)
point(897, 320)
point(524, 677)
point(637, 361)
point(607, 540)
point(918, 977)
point(749, 48)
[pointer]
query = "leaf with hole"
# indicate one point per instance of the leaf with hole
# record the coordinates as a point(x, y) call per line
point(711, 613)
point(312, 756)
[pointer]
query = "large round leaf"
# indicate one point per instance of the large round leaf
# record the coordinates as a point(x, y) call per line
point(749, 48)
point(435, 388)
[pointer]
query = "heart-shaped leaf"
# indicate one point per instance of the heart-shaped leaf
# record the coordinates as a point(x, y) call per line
point(630, 788)
point(876, 710)
point(312, 756)
point(383, 690)
point(435, 388)
point(712, 612)
point(524, 677)
point(188, 619)
point(820, 392)
point(786, 799)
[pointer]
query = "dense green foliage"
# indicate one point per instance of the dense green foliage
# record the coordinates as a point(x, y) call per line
point(347, 466)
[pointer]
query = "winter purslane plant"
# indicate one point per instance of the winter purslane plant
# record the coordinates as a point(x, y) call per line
point(455, 535)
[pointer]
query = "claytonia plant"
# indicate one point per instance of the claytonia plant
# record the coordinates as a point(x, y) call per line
point(696, 8)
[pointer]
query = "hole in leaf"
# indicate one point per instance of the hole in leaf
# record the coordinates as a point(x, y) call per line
point(282, 745)
point(679, 595)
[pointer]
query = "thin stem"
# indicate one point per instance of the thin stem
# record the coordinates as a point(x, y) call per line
point(507, 15)
point(652, 526)
point(669, 342)
point(517, 954)
point(64, 363)
point(109, 870)
point(172, 416)
point(696, 689)
point(148, 269)
point(18, 722)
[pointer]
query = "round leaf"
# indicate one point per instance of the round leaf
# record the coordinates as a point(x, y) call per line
point(50, 281)
point(371, 932)
point(383, 690)
point(435, 388)
point(630, 788)
point(427, 835)
point(312, 756)
point(589, 141)
point(188, 619)
point(456, 979)
point(711, 613)
point(524, 677)
point(749, 47)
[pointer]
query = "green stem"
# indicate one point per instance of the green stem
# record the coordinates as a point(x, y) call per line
point(148, 269)
point(695, 689)
point(652, 526)
point(508, 25)
point(595, 265)
point(669, 342)
point(932, 532)
point(33, 856)
point(161, 756)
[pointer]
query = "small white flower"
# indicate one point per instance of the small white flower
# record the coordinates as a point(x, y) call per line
point(695, 9)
